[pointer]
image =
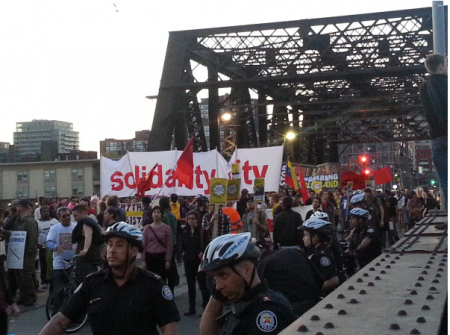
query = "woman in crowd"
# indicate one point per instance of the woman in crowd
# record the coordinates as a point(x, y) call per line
point(415, 210)
point(195, 240)
point(317, 241)
point(158, 245)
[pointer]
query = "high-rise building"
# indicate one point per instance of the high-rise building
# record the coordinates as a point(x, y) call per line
point(396, 155)
point(114, 148)
point(31, 137)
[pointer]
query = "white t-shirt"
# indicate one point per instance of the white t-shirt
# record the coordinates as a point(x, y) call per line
point(43, 229)
point(60, 235)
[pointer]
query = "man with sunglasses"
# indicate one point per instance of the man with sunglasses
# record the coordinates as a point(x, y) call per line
point(59, 240)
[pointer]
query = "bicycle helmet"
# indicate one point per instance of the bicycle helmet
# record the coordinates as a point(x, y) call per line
point(126, 231)
point(227, 250)
point(316, 225)
point(359, 212)
point(358, 197)
point(320, 215)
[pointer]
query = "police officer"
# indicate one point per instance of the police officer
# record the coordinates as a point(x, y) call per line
point(122, 299)
point(363, 237)
point(240, 303)
point(317, 241)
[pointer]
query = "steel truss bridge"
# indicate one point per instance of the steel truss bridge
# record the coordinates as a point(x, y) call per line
point(332, 80)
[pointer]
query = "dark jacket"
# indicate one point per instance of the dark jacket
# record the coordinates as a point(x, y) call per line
point(194, 243)
point(285, 232)
point(435, 105)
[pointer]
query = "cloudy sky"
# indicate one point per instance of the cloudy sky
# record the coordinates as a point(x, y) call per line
point(93, 62)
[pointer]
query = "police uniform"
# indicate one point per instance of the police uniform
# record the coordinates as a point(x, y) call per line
point(368, 254)
point(323, 259)
point(136, 307)
point(261, 311)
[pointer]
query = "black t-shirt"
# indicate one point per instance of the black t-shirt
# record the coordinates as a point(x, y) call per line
point(134, 308)
point(288, 271)
point(391, 206)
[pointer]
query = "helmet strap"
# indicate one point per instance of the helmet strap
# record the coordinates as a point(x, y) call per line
point(247, 284)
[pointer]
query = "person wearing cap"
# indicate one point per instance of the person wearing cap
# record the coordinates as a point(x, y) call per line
point(363, 238)
point(122, 299)
point(24, 279)
point(240, 303)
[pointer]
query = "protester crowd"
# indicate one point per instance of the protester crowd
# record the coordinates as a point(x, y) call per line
point(303, 259)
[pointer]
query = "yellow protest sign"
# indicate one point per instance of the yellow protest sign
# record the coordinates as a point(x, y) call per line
point(233, 189)
point(316, 186)
point(258, 189)
point(218, 191)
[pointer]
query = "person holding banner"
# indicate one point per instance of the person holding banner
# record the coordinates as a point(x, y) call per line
point(22, 276)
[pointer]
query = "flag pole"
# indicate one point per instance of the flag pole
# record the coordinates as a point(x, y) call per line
point(165, 181)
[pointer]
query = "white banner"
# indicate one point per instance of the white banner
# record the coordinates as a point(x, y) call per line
point(16, 250)
point(118, 177)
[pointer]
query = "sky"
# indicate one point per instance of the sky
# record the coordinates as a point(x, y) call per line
point(92, 63)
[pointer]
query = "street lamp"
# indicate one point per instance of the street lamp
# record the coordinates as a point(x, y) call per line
point(226, 117)
point(290, 135)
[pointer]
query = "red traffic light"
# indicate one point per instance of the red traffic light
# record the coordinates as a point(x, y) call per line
point(363, 159)
point(366, 172)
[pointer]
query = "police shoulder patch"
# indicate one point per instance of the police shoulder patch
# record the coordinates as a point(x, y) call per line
point(325, 261)
point(266, 321)
point(167, 293)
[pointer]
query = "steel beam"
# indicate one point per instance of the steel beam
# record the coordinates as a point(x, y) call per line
point(403, 291)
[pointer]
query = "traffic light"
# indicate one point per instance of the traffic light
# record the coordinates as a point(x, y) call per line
point(433, 182)
point(363, 160)
point(366, 172)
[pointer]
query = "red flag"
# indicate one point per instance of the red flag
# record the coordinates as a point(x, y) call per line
point(305, 195)
point(185, 165)
point(357, 179)
point(382, 176)
point(144, 183)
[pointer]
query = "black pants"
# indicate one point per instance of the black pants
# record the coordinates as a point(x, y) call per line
point(3, 323)
point(156, 263)
point(43, 266)
point(191, 270)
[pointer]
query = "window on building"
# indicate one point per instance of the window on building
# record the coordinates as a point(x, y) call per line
point(77, 174)
point(77, 190)
point(22, 176)
point(49, 191)
point(49, 175)
point(22, 192)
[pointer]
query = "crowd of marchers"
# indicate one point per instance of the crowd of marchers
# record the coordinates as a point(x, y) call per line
point(239, 257)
